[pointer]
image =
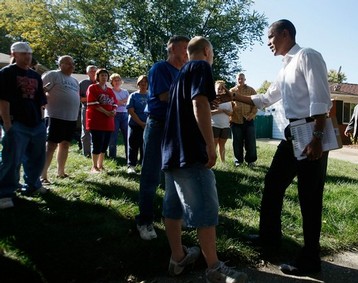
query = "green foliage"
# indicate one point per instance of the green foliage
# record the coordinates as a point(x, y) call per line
point(264, 87)
point(336, 76)
point(129, 36)
point(229, 25)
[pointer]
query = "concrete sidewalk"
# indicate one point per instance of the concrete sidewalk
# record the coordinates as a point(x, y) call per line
point(346, 153)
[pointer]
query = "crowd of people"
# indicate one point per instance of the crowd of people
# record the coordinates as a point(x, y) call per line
point(171, 127)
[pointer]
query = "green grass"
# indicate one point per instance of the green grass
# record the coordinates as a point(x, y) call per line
point(84, 230)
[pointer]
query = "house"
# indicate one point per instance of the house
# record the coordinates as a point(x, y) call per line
point(344, 98)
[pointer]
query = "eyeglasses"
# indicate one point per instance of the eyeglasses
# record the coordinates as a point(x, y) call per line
point(69, 63)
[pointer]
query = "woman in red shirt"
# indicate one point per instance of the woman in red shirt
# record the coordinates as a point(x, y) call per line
point(101, 109)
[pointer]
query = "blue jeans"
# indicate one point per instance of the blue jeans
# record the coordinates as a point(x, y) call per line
point(135, 145)
point(190, 194)
point(120, 123)
point(151, 169)
point(244, 135)
point(26, 145)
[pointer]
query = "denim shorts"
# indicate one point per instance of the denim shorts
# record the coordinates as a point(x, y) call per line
point(190, 194)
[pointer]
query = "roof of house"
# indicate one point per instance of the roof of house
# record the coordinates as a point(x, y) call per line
point(344, 91)
point(344, 88)
point(4, 59)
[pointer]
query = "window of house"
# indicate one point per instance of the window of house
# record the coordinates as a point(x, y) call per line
point(347, 112)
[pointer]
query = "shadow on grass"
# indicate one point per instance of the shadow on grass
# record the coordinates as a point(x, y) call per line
point(74, 241)
point(71, 240)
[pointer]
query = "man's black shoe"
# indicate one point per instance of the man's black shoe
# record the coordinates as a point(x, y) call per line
point(300, 270)
point(253, 239)
point(256, 241)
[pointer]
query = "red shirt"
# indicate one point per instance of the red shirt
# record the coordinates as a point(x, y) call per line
point(98, 97)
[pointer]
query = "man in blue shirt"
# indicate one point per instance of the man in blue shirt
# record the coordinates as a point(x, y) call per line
point(160, 77)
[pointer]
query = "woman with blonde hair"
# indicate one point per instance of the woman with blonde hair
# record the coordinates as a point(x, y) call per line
point(121, 118)
point(220, 120)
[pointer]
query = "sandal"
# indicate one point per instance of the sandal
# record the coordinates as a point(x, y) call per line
point(63, 176)
point(45, 181)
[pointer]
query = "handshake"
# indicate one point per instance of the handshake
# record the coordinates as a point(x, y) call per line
point(225, 96)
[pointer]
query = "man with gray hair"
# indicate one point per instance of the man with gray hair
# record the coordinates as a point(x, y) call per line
point(21, 101)
point(63, 102)
point(160, 77)
point(84, 84)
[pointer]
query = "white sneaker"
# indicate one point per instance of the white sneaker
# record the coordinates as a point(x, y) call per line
point(224, 274)
point(6, 203)
point(131, 170)
point(176, 268)
point(147, 232)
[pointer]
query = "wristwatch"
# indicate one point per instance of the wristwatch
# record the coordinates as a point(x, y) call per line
point(318, 134)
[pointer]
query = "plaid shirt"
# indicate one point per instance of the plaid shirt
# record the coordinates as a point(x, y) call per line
point(242, 110)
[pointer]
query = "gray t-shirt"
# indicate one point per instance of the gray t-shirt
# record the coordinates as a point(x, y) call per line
point(84, 84)
point(63, 99)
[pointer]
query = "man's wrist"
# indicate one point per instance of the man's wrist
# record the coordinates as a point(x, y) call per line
point(318, 134)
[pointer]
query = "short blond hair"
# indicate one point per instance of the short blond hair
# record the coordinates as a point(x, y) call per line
point(114, 76)
point(220, 82)
point(197, 44)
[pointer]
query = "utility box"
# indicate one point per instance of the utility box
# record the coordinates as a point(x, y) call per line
point(263, 124)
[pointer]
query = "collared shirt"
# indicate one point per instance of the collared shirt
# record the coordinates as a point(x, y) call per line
point(243, 110)
point(302, 84)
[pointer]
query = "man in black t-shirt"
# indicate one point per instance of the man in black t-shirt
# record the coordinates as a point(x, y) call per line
point(21, 106)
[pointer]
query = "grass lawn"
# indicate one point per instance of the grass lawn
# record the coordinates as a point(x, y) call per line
point(84, 229)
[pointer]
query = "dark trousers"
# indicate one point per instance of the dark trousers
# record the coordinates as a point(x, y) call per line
point(135, 144)
point(244, 135)
point(310, 182)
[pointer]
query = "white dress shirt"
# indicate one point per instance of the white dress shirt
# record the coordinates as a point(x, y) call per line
point(302, 85)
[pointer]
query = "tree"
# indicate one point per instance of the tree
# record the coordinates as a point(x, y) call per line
point(129, 36)
point(336, 77)
point(229, 25)
point(264, 87)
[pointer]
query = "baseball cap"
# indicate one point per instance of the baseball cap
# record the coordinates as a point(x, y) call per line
point(22, 47)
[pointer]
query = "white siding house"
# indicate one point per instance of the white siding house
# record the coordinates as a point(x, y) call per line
point(279, 121)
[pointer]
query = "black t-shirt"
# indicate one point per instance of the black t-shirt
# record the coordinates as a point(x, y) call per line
point(183, 143)
point(23, 89)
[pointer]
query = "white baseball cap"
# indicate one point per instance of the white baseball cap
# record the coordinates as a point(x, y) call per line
point(22, 47)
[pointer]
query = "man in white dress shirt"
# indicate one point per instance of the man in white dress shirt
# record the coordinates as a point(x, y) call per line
point(302, 85)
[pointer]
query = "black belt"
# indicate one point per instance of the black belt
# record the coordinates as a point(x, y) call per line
point(155, 118)
point(308, 119)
